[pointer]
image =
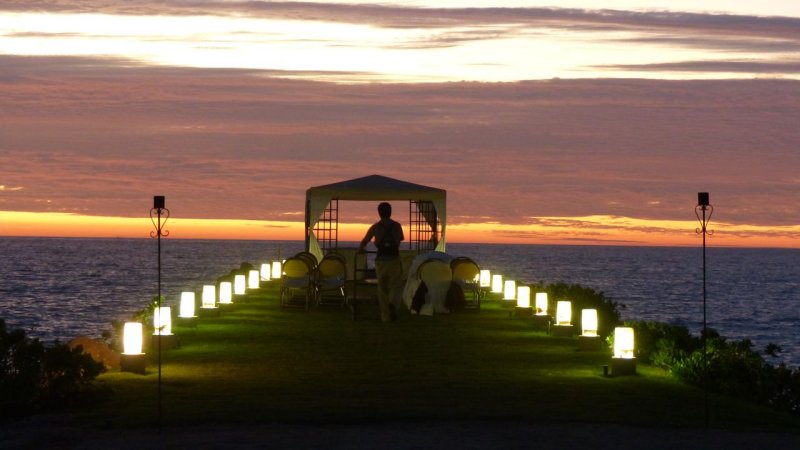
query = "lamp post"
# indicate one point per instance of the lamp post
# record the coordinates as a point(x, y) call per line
point(157, 213)
point(703, 211)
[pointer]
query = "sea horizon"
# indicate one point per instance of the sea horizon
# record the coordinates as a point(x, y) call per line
point(63, 287)
point(588, 244)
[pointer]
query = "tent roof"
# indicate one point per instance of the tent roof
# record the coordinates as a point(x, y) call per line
point(376, 187)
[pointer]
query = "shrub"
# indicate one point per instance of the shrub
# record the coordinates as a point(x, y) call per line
point(583, 298)
point(785, 392)
point(736, 369)
point(35, 377)
point(662, 344)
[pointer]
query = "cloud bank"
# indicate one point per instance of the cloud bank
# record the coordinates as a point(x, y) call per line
point(100, 137)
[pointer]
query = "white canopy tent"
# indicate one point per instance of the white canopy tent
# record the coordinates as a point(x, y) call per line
point(373, 188)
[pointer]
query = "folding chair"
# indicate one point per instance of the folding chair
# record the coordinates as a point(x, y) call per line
point(297, 288)
point(466, 273)
point(330, 279)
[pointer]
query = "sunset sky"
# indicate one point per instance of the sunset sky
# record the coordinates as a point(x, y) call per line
point(574, 122)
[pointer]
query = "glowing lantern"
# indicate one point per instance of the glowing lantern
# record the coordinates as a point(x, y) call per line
point(132, 338)
point(485, 278)
point(497, 283)
point(276, 270)
point(623, 342)
point(253, 279)
point(132, 359)
point(524, 297)
point(162, 321)
point(589, 322)
point(510, 290)
point(225, 293)
point(564, 313)
point(209, 298)
point(265, 272)
point(239, 284)
point(541, 303)
point(187, 305)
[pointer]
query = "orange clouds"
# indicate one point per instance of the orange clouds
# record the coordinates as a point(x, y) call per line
point(549, 161)
point(13, 223)
point(591, 230)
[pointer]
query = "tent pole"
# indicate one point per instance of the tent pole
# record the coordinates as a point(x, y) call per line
point(308, 223)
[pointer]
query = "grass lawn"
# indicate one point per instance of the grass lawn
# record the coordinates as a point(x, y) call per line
point(259, 364)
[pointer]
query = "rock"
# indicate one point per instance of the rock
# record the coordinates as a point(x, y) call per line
point(98, 350)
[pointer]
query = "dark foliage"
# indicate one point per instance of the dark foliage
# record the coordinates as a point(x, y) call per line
point(581, 297)
point(35, 377)
point(735, 368)
point(662, 344)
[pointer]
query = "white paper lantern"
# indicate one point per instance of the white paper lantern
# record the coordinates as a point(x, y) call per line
point(209, 298)
point(564, 313)
point(541, 303)
point(239, 284)
point(497, 283)
point(253, 279)
point(225, 293)
point(623, 342)
point(162, 321)
point(132, 338)
point(265, 272)
point(276, 270)
point(524, 296)
point(187, 305)
point(589, 322)
point(485, 278)
point(510, 290)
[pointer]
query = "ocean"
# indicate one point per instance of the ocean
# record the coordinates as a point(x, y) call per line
point(58, 288)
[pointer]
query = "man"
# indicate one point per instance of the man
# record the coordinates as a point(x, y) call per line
point(388, 266)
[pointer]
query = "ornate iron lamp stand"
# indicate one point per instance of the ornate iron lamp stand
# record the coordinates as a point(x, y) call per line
point(703, 207)
point(159, 215)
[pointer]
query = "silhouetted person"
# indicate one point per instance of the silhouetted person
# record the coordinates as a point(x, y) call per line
point(388, 266)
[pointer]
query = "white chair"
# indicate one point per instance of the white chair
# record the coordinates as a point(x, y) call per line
point(437, 276)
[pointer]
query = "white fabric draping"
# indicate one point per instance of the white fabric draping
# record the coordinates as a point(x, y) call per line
point(435, 299)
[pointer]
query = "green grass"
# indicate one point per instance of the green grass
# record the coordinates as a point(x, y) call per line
point(259, 363)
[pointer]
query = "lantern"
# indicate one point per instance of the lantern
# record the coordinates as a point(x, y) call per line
point(564, 313)
point(253, 279)
point(132, 359)
point(225, 293)
point(624, 361)
point(208, 302)
point(563, 325)
point(623, 342)
point(510, 290)
point(541, 303)
point(132, 338)
point(485, 278)
point(497, 283)
point(524, 297)
point(276, 270)
point(209, 298)
point(239, 284)
point(265, 272)
point(162, 321)
point(187, 305)
point(589, 322)
point(589, 340)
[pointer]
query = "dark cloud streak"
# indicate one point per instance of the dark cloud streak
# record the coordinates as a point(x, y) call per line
point(751, 67)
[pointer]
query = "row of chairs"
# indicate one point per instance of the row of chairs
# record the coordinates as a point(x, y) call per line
point(440, 277)
point(305, 281)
